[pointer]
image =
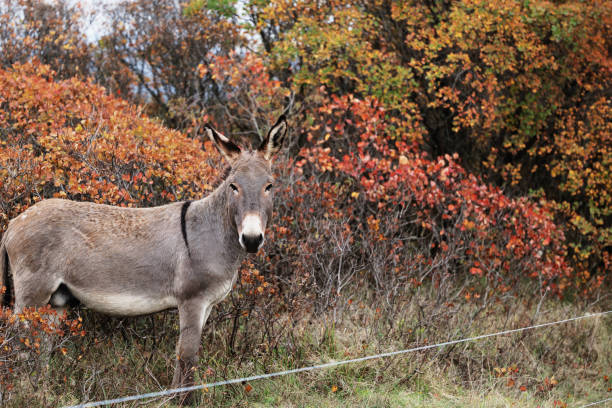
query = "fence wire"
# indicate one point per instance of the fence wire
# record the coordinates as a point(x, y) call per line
point(597, 403)
point(332, 364)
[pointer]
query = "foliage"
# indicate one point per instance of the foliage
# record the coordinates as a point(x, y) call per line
point(513, 87)
point(70, 139)
point(158, 63)
point(225, 8)
point(27, 341)
point(580, 167)
point(48, 31)
point(388, 215)
point(251, 97)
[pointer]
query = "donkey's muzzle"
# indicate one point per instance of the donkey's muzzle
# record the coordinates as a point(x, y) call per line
point(252, 243)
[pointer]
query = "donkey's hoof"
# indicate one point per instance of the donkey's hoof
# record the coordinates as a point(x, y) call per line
point(186, 398)
point(184, 377)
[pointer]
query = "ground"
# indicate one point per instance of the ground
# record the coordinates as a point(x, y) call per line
point(564, 365)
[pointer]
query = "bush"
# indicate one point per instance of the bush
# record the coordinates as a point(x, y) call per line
point(517, 89)
point(383, 213)
point(70, 139)
point(27, 341)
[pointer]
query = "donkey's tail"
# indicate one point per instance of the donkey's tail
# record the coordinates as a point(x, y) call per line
point(5, 296)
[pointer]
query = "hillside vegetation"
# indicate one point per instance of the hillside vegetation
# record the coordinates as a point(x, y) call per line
point(447, 175)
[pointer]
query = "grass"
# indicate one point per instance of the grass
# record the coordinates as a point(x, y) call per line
point(548, 367)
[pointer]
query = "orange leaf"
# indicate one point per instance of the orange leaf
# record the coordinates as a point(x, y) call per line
point(476, 271)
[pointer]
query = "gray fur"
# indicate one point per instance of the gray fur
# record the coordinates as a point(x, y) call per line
point(133, 261)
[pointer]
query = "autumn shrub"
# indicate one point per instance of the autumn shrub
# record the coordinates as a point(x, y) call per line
point(27, 340)
point(251, 99)
point(70, 139)
point(518, 89)
point(383, 214)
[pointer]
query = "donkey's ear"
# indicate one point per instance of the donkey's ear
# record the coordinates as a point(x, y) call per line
point(274, 140)
point(226, 147)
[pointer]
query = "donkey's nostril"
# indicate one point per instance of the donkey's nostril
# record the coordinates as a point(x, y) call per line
point(252, 243)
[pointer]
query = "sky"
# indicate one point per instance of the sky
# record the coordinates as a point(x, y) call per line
point(95, 22)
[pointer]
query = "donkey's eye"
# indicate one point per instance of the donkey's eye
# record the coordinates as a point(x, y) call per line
point(234, 188)
point(268, 188)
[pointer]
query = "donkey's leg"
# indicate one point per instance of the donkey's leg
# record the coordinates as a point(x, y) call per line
point(192, 316)
point(32, 289)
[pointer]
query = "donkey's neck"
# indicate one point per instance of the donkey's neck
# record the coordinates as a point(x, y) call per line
point(211, 233)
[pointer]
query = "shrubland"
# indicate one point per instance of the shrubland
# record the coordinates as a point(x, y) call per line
point(520, 90)
point(447, 175)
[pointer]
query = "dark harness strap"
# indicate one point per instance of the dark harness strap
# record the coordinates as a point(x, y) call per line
point(184, 208)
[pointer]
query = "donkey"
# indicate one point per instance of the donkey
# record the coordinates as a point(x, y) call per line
point(134, 261)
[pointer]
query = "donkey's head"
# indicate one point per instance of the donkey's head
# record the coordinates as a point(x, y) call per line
point(249, 186)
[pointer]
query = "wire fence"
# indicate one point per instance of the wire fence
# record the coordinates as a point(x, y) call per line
point(597, 403)
point(333, 364)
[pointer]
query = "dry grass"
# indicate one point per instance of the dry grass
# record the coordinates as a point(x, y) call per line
point(556, 365)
